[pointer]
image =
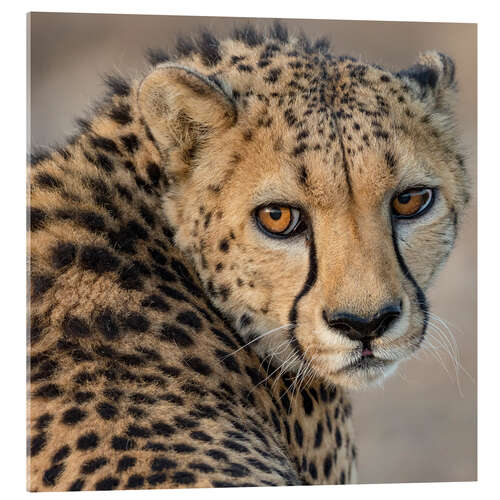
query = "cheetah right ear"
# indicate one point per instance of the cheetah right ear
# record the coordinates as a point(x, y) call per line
point(184, 108)
point(433, 81)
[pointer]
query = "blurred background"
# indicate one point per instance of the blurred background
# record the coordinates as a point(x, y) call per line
point(420, 426)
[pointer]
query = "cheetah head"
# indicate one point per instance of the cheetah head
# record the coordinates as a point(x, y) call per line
point(316, 197)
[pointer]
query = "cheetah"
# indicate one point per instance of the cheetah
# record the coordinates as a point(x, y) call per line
point(226, 248)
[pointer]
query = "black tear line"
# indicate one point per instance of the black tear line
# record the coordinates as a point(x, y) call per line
point(309, 283)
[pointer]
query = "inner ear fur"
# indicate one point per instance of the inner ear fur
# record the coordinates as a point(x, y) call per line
point(182, 109)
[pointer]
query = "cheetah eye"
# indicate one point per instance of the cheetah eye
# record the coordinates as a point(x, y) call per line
point(279, 221)
point(412, 202)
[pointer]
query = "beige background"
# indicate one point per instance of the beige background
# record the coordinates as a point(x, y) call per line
point(421, 425)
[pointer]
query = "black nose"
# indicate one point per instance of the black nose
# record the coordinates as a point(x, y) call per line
point(358, 328)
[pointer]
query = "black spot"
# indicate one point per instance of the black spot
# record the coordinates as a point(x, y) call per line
point(36, 218)
point(107, 324)
point(342, 477)
point(130, 278)
point(121, 114)
point(63, 254)
point(185, 423)
point(37, 444)
point(135, 481)
point(203, 411)
point(163, 429)
point(117, 85)
point(248, 35)
point(158, 478)
point(216, 454)
point(141, 398)
point(227, 360)
point(155, 302)
point(48, 181)
point(51, 475)
point(154, 173)
point(138, 431)
point(273, 75)
point(313, 471)
point(43, 421)
point(120, 443)
point(183, 477)
point(105, 144)
point(92, 465)
point(73, 416)
point(298, 150)
point(327, 466)
point(318, 437)
point(175, 335)
point(136, 322)
point(157, 56)
point(147, 215)
point(189, 318)
point(171, 371)
point(152, 446)
point(233, 445)
point(209, 49)
point(338, 437)
point(158, 256)
point(258, 465)
point(299, 433)
point(183, 448)
point(160, 464)
point(201, 436)
point(108, 483)
point(125, 463)
point(197, 365)
point(75, 327)
point(391, 161)
point(236, 470)
point(307, 402)
point(202, 467)
point(106, 411)
point(182, 272)
point(87, 441)
point(130, 142)
point(245, 68)
point(40, 284)
point(98, 259)
point(77, 485)
point(224, 245)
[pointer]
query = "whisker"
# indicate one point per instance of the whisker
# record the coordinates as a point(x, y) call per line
point(257, 338)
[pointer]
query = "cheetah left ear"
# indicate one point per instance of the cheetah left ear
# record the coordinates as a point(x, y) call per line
point(433, 80)
point(183, 109)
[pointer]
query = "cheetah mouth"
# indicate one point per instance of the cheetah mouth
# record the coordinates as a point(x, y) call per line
point(367, 362)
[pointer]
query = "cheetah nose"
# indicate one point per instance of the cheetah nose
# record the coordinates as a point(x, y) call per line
point(363, 328)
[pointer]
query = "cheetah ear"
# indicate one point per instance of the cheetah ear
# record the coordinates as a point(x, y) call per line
point(183, 108)
point(433, 80)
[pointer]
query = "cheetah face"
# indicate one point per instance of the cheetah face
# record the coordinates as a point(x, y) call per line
point(315, 219)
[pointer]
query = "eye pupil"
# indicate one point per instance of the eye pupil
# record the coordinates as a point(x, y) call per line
point(275, 213)
point(404, 198)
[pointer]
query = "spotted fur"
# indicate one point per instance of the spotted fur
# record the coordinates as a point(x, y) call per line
point(147, 282)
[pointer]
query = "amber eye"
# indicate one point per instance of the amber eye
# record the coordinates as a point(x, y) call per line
point(412, 202)
point(279, 220)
